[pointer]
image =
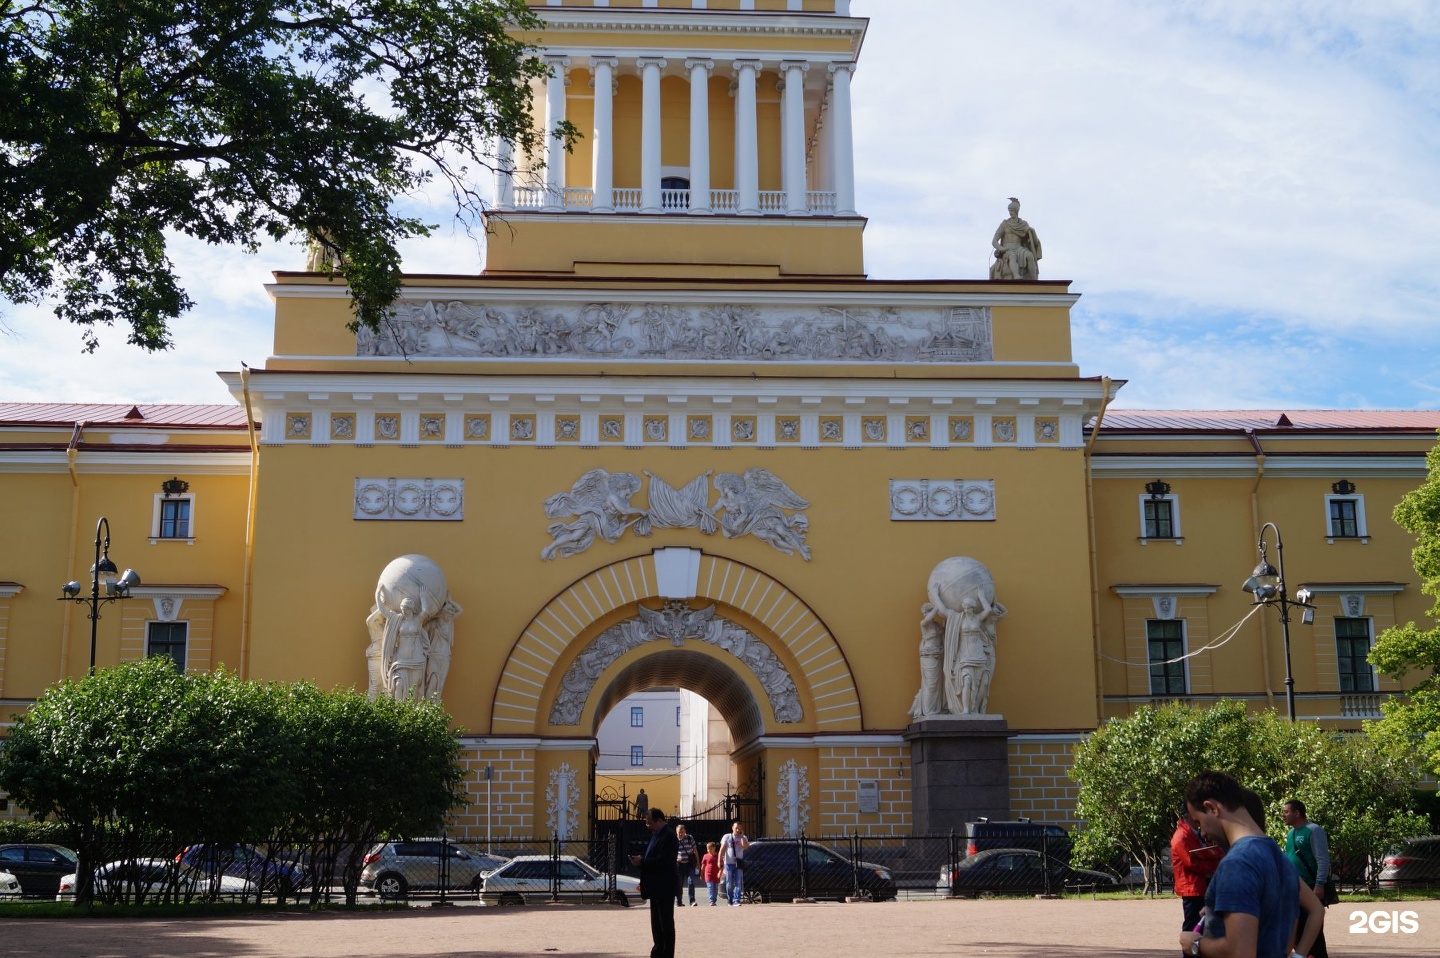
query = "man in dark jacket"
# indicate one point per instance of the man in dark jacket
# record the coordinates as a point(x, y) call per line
point(659, 882)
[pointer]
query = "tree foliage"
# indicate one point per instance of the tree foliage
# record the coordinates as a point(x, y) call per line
point(139, 751)
point(233, 120)
point(1132, 774)
point(1411, 727)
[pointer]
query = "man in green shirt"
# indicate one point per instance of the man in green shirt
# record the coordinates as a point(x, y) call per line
point(1308, 849)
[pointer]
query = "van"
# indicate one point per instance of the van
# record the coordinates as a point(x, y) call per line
point(1053, 840)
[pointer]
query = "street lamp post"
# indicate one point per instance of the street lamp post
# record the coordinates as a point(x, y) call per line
point(104, 569)
point(1267, 584)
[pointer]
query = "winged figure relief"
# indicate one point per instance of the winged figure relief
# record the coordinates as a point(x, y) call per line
point(600, 504)
point(754, 502)
point(677, 621)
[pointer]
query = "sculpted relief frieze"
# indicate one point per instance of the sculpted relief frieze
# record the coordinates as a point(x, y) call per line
point(599, 505)
point(666, 331)
point(676, 623)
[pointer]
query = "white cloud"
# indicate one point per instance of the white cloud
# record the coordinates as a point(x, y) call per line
point(1246, 195)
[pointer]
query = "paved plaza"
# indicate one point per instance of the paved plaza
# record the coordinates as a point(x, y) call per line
point(905, 929)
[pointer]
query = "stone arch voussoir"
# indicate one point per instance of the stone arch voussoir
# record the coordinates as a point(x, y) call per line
point(524, 694)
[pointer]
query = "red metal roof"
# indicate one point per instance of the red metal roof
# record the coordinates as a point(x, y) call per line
point(155, 416)
point(1190, 420)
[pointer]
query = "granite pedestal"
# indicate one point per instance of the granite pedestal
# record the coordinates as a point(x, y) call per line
point(960, 768)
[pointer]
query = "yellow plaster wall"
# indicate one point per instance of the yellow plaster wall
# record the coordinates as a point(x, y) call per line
point(1040, 786)
point(316, 566)
point(43, 633)
point(841, 767)
point(512, 794)
point(661, 791)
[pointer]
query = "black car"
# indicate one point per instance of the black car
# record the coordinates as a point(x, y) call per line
point(981, 836)
point(1018, 871)
point(38, 868)
point(775, 868)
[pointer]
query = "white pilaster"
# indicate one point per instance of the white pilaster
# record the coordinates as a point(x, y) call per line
point(650, 68)
point(603, 145)
point(555, 115)
point(747, 157)
point(793, 139)
point(504, 174)
point(842, 140)
point(699, 134)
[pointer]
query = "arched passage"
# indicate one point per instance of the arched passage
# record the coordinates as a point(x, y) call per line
point(703, 674)
point(531, 686)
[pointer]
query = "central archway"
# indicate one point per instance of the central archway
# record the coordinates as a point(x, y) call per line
point(780, 633)
point(699, 673)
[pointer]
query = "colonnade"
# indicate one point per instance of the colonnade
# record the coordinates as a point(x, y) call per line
point(795, 199)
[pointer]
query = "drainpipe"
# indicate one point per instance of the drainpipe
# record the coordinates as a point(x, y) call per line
point(1255, 534)
point(71, 451)
point(1094, 556)
point(245, 596)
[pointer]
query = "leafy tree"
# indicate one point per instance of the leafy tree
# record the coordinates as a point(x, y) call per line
point(1132, 774)
point(1411, 726)
point(365, 768)
point(232, 120)
point(139, 752)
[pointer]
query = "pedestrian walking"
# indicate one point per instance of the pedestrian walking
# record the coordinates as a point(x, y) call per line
point(732, 856)
point(687, 865)
point(657, 883)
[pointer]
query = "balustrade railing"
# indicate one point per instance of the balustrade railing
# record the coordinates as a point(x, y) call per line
point(628, 200)
point(1360, 706)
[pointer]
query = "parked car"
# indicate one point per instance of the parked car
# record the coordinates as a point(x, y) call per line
point(393, 869)
point(245, 862)
point(984, 835)
point(1017, 870)
point(38, 867)
point(773, 872)
point(153, 878)
point(531, 878)
point(1416, 863)
point(9, 885)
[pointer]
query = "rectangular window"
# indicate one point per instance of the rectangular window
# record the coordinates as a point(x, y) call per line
point(174, 519)
point(677, 716)
point(1352, 646)
point(637, 716)
point(1167, 641)
point(1344, 518)
point(167, 638)
point(677, 755)
point(637, 755)
point(1159, 519)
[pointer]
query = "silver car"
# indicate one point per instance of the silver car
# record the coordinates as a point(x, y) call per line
point(155, 878)
point(394, 869)
point(533, 878)
point(9, 885)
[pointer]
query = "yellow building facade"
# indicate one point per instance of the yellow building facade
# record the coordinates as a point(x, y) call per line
point(673, 435)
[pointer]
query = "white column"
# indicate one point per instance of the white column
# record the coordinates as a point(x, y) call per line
point(699, 134)
point(504, 174)
point(554, 145)
point(747, 158)
point(650, 68)
point(842, 140)
point(602, 145)
point(792, 154)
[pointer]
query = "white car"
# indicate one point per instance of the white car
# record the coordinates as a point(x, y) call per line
point(154, 877)
point(531, 878)
point(9, 885)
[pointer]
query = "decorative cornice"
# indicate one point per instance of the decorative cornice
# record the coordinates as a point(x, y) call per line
point(1361, 588)
point(129, 463)
point(187, 591)
point(9, 590)
point(706, 22)
point(1130, 466)
point(824, 295)
point(1141, 590)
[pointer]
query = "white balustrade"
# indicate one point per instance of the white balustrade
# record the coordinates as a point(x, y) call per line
point(627, 199)
point(1360, 706)
point(675, 199)
point(821, 201)
point(772, 201)
point(724, 201)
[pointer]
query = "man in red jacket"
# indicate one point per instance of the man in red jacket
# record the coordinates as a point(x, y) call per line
point(1192, 862)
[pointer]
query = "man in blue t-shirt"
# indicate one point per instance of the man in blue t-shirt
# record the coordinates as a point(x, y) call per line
point(1251, 903)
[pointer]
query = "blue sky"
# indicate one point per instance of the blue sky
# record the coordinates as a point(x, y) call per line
point(1246, 195)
